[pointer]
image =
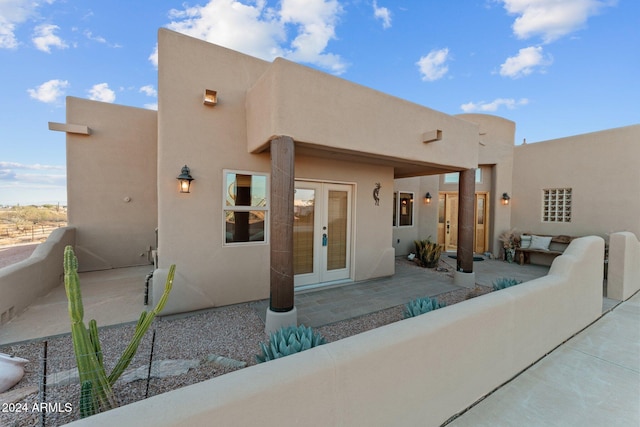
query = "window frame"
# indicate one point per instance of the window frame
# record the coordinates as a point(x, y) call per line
point(266, 208)
point(398, 211)
point(449, 177)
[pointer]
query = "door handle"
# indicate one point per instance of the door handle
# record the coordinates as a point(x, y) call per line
point(324, 239)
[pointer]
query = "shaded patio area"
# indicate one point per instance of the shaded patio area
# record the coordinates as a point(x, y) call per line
point(323, 306)
point(116, 296)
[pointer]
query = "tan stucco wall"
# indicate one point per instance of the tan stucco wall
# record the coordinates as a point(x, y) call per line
point(623, 279)
point(420, 371)
point(340, 116)
point(23, 282)
point(111, 183)
point(600, 167)
point(424, 216)
point(212, 139)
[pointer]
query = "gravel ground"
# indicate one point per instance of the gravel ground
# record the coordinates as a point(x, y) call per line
point(233, 332)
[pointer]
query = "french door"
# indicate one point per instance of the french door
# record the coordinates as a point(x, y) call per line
point(321, 232)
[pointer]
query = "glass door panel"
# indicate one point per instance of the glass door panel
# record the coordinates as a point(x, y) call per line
point(337, 230)
point(321, 232)
point(303, 230)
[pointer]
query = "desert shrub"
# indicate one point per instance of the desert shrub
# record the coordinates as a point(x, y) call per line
point(504, 282)
point(427, 253)
point(289, 340)
point(420, 306)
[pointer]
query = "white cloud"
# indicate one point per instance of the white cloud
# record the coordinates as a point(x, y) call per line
point(492, 106)
point(101, 92)
point(153, 106)
point(524, 62)
point(99, 39)
point(552, 19)
point(12, 14)
point(36, 166)
point(149, 90)
point(383, 14)
point(153, 58)
point(433, 65)
point(44, 38)
point(12, 172)
point(50, 91)
point(261, 31)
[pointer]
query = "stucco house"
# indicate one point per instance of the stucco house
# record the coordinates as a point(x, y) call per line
point(300, 178)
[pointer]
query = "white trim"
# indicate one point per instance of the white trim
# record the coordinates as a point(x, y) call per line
point(266, 208)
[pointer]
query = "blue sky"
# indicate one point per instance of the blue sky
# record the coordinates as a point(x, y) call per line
point(555, 67)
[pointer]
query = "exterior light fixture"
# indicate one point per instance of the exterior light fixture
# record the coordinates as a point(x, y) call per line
point(427, 198)
point(505, 199)
point(185, 179)
point(210, 97)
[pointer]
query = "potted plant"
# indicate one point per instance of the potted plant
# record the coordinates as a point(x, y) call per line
point(509, 240)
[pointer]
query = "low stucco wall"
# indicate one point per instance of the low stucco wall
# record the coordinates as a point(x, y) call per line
point(23, 282)
point(623, 278)
point(419, 371)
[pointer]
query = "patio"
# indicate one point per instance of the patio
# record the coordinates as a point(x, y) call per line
point(116, 296)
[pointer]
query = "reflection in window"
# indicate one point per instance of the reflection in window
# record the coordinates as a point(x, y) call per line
point(246, 209)
point(454, 177)
point(406, 209)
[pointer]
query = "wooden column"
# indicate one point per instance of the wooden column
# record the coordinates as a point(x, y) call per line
point(466, 206)
point(281, 236)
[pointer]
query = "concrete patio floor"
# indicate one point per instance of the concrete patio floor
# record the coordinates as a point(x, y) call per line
point(117, 296)
point(109, 296)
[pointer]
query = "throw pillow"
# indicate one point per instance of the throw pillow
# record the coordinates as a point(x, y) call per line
point(525, 242)
point(540, 242)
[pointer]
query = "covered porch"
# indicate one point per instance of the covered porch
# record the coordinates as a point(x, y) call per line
point(115, 297)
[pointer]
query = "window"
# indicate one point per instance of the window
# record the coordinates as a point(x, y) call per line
point(454, 177)
point(246, 207)
point(403, 209)
point(556, 205)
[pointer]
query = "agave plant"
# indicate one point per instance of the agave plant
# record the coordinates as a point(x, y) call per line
point(289, 340)
point(420, 306)
point(504, 282)
point(427, 252)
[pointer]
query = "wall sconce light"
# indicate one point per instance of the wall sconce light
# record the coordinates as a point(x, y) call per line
point(210, 97)
point(505, 199)
point(427, 198)
point(185, 179)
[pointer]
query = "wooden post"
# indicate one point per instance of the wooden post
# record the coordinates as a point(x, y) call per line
point(466, 202)
point(281, 236)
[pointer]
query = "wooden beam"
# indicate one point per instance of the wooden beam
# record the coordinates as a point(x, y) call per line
point(466, 207)
point(70, 128)
point(281, 236)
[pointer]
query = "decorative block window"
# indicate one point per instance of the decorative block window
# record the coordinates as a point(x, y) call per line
point(556, 205)
point(246, 207)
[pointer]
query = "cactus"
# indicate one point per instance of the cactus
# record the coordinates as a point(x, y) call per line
point(288, 341)
point(420, 306)
point(504, 282)
point(97, 388)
